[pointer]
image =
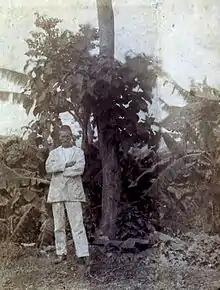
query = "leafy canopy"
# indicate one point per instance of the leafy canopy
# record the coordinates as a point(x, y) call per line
point(66, 76)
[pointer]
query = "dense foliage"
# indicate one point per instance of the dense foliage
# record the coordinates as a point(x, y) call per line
point(101, 93)
point(106, 96)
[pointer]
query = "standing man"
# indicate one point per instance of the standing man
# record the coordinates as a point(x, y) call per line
point(66, 164)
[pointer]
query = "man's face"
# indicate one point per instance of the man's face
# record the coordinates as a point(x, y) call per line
point(65, 138)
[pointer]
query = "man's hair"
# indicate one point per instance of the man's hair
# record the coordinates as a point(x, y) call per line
point(66, 128)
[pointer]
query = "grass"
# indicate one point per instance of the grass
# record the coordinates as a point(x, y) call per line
point(27, 269)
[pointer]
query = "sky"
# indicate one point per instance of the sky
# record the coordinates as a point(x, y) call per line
point(189, 37)
point(184, 34)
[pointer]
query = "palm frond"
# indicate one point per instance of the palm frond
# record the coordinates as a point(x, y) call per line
point(190, 96)
point(161, 165)
point(170, 173)
point(14, 77)
point(173, 146)
point(17, 98)
point(176, 120)
point(10, 176)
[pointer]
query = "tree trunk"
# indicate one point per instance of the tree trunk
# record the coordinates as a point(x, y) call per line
point(111, 186)
point(111, 182)
point(87, 132)
point(90, 133)
point(106, 27)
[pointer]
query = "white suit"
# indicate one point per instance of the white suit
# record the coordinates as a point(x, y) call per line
point(66, 191)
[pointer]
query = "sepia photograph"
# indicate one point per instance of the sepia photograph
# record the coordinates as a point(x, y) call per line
point(110, 144)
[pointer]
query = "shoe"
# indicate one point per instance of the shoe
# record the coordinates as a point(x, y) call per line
point(86, 264)
point(60, 259)
point(83, 260)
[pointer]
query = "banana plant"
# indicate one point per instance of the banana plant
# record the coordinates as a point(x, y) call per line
point(17, 79)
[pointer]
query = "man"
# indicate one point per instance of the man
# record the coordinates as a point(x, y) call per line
point(66, 163)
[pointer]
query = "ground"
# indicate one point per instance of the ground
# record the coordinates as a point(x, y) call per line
point(30, 269)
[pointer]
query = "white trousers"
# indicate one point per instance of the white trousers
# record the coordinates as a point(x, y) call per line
point(75, 217)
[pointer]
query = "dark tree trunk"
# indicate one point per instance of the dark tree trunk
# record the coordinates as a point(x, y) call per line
point(90, 132)
point(111, 181)
point(106, 27)
point(87, 133)
point(111, 186)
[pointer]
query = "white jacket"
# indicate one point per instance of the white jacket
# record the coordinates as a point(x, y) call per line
point(66, 185)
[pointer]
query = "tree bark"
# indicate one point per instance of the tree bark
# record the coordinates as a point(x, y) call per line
point(111, 186)
point(87, 132)
point(106, 27)
point(111, 181)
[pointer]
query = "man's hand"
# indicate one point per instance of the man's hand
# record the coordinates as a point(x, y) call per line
point(70, 164)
